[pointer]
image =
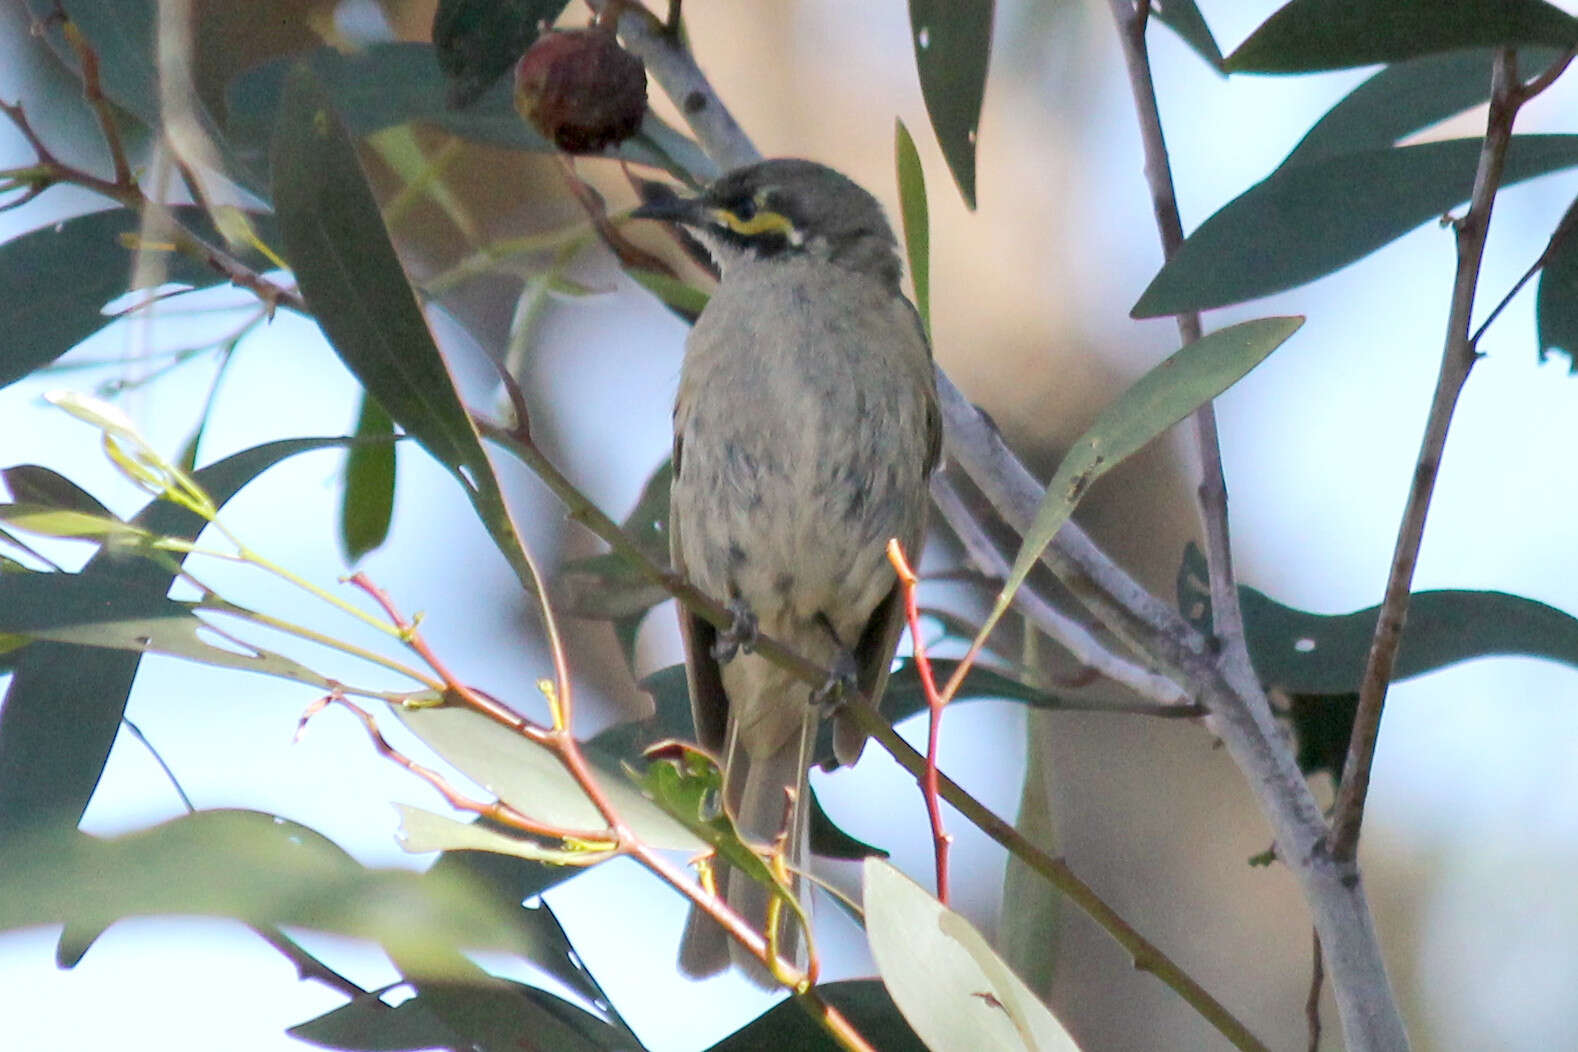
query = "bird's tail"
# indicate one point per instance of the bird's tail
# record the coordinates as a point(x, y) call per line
point(756, 793)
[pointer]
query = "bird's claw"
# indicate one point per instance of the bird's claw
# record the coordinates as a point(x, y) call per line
point(739, 636)
point(841, 682)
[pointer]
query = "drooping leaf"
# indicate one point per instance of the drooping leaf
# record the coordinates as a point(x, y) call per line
point(1307, 653)
point(250, 866)
point(389, 84)
point(36, 484)
point(1322, 728)
point(1556, 304)
point(54, 281)
point(47, 776)
point(1308, 35)
point(1161, 398)
point(864, 1002)
point(953, 41)
point(350, 276)
point(1307, 220)
point(912, 211)
point(477, 41)
point(531, 779)
point(952, 988)
point(1184, 18)
point(1405, 98)
point(367, 506)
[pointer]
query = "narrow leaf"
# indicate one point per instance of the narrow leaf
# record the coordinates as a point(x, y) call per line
point(368, 503)
point(1158, 400)
point(1309, 653)
point(1556, 305)
point(35, 484)
point(1309, 35)
point(1307, 220)
point(953, 41)
point(912, 210)
point(1184, 18)
point(864, 1002)
point(350, 276)
point(952, 988)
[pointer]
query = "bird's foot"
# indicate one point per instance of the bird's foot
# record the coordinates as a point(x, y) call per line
point(739, 636)
point(841, 682)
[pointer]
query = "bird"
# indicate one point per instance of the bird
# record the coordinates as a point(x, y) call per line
point(806, 428)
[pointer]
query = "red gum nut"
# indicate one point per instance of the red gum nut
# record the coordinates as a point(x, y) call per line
point(581, 90)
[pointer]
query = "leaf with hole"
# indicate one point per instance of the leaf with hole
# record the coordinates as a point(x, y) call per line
point(953, 41)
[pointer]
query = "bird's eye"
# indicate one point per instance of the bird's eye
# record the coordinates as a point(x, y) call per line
point(745, 211)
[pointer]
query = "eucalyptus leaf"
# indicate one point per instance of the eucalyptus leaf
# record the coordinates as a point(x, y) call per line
point(350, 276)
point(1161, 398)
point(912, 211)
point(1556, 304)
point(1184, 18)
point(864, 1002)
point(956, 993)
point(530, 778)
point(38, 485)
point(478, 41)
point(1306, 653)
point(1309, 35)
point(953, 42)
point(252, 867)
point(1307, 220)
point(367, 504)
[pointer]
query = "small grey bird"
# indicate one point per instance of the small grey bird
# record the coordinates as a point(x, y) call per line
point(805, 430)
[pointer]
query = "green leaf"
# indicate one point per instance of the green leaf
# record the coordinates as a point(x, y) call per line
point(54, 281)
point(488, 1014)
point(250, 866)
point(1403, 98)
point(1307, 220)
point(684, 300)
point(350, 276)
point(1177, 387)
point(953, 41)
point(1309, 653)
point(478, 41)
point(368, 503)
point(1323, 727)
point(1556, 304)
point(47, 776)
point(687, 784)
point(829, 841)
point(423, 831)
point(912, 210)
point(530, 778)
point(389, 84)
point(1309, 35)
point(952, 988)
point(49, 521)
point(864, 1002)
point(38, 485)
point(1184, 18)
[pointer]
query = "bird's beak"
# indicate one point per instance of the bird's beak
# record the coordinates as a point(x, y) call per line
point(660, 201)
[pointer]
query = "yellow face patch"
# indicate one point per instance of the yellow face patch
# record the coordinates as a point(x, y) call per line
point(762, 222)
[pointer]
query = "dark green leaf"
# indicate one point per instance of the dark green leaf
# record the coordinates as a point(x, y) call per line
point(54, 281)
point(389, 84)
point(34, 484)
point(249, 866)
point(46, 775)
point(953, 41)
point(864, 1002)
point(1322, 727)
point(1184, 18)
point(479, 40)
point(1403, 98)
point(912, 210)
point(368, 503)
point(1307, 220)
point(684, 300)
point(1194, 590)
point(1306, 653)
point(1556, 306)
point(1308, 35)
point(688, 784)
point(350, 276)
point(829, 841)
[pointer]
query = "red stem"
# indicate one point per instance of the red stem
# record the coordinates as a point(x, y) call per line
point(930, 790)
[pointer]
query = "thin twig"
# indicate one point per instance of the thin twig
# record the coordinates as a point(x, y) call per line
point(1312, 1002)
point(1457, 360)
point(940, 839)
